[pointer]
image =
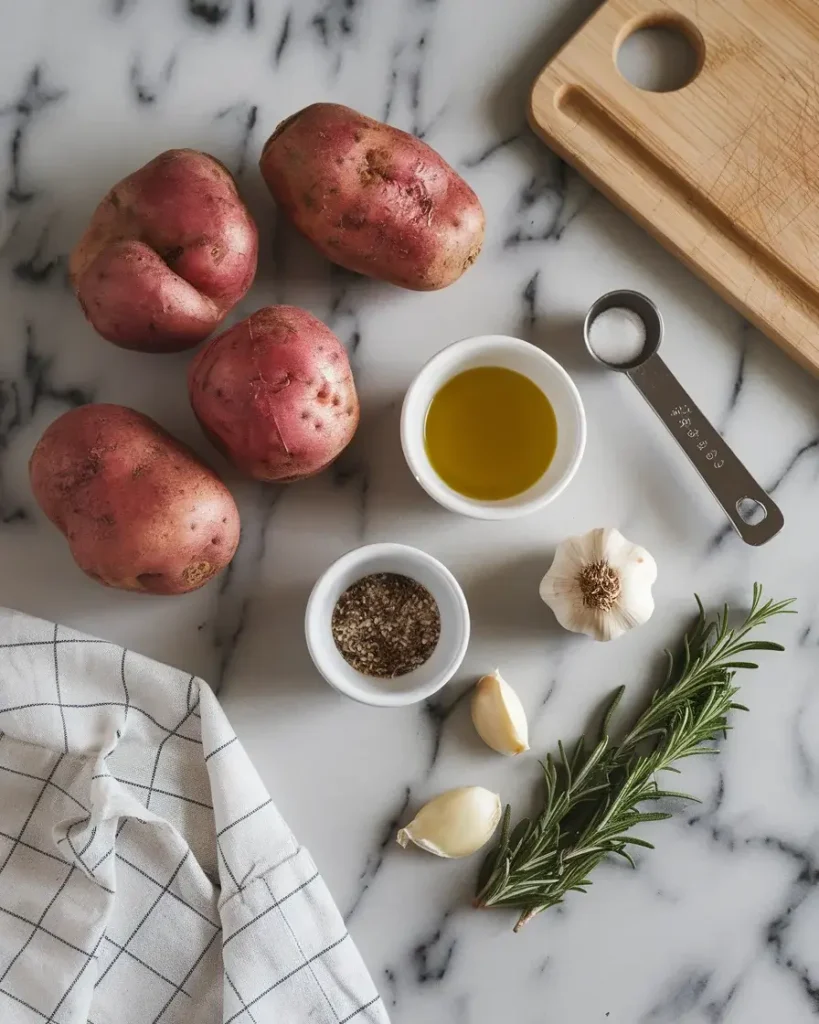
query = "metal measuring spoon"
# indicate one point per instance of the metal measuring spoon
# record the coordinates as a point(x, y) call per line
point(752, 512)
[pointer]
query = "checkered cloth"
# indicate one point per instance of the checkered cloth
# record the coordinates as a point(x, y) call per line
point(145, 875)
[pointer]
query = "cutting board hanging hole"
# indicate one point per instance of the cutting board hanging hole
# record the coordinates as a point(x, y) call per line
point(723, 172)
point(659, 57)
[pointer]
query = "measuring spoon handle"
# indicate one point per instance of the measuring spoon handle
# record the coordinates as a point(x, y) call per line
point(753, 513)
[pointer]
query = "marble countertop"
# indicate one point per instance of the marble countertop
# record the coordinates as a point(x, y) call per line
point(717, 925)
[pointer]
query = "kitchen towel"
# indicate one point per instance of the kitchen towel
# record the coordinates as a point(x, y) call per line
point(146, 877)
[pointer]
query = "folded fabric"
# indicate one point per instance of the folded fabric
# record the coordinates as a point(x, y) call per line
point(146, 877)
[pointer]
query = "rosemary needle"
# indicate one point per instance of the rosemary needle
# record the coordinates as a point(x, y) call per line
point(593, 796)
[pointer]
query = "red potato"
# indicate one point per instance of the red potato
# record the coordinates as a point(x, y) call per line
point(372, 198)
point(275, 393)
point(140, 511)
point(168, 253)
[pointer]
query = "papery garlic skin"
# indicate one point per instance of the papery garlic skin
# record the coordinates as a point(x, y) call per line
point(600, 584)
point(455, 823)
point(498, 715)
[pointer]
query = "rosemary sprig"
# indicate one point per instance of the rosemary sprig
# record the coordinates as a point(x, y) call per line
point(593, 796)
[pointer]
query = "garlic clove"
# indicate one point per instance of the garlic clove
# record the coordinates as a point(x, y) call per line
point(455, 823)
point(498, 715)
point(559, 594)
point(637, 603)
point(622, 554)
point(558, 588)
point(638, 573)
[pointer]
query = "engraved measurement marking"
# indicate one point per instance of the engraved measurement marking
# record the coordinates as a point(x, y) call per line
point(682, 414)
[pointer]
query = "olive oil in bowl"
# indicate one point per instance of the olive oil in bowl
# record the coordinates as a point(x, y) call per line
point(490, 433)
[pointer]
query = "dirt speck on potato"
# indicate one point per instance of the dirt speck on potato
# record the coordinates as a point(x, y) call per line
point(196, 575)
point(376, 166)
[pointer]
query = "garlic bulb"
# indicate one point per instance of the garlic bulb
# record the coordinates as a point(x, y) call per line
point(455, 823)
point(600, 584)
point(498, 715)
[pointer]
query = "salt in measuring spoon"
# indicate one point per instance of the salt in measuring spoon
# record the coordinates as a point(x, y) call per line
point(752, 512)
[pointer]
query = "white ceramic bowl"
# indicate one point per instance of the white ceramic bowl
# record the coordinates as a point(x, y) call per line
point(419, 566)
point(512, 354)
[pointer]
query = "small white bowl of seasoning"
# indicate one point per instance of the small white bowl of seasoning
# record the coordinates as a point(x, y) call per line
point(492, 427)
point(387, 624)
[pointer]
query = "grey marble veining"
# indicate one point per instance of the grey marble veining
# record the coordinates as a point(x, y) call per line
point(719, 924)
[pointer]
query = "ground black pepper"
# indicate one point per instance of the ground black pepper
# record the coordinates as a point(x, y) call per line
point(386, 625)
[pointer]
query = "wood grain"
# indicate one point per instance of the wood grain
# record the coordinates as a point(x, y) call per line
point(725, 171)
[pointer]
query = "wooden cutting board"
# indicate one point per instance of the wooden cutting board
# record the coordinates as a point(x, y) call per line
point(725, 171)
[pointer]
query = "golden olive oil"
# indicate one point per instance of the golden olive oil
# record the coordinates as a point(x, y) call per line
point(490, 433)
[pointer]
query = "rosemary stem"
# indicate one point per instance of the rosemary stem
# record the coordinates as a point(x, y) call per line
point(593, 796)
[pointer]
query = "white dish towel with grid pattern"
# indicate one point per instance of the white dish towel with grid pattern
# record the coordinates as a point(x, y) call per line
point(145, 875)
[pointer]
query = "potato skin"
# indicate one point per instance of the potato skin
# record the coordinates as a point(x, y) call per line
point(169, 251)
point(373, 198)
point(139, 509)
point(275, 393)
